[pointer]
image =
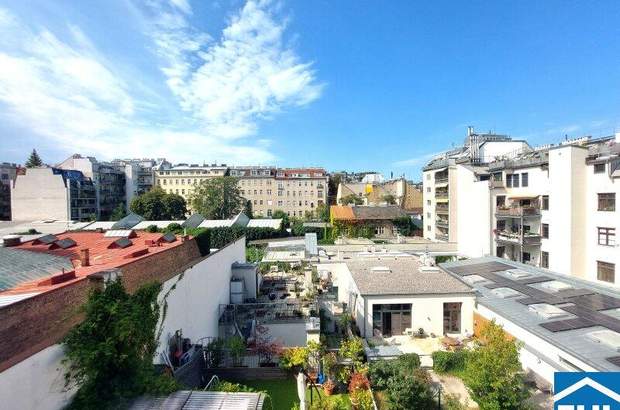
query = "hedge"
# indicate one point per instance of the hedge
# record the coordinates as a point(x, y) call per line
point(446, 362)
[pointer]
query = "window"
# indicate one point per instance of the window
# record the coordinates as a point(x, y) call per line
point(452, 317)
point(497, 176)
point(545, 231)
point(428, 202)
point(428, 176)
point(599, 168)
point(500, 200)
point(509, 180)
point(525, 179)
point(544, 259)
point(379, 230)
point(607, 202)
point(499, 251)
point(428, 227)
point(501, 225)
point(392, 319)
point(428, 214)
point(269, 213)
point(607, 236)
point(526, 257)
point(545, 202)
point(606, 271)
point(428, 189)
point(515, 180)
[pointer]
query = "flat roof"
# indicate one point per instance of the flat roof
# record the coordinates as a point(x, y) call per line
point(402, 276)
point(586, 307)
point(204, 400)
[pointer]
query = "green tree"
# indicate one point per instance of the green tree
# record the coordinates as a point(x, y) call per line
point(157, 205)
point(493, 373)
point(217, 198)
point(332, 187)
point(34, 160)
point(247, 209)
point(322, 212)
point(389, 199)
point(118, 213)
point(280, 214)
point(109, 356)
point(351, 199)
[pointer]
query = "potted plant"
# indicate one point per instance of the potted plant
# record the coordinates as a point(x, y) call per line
point(328, 387)
point(236, 346)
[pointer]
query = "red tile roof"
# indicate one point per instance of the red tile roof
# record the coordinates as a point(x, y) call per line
point(100, 255)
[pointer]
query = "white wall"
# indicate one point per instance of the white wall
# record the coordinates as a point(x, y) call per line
point(39, 195)
point(36, 383)
point(492, 149)
point(473, 218)
point(426, 312)
point(193, 305)
point(428, 182)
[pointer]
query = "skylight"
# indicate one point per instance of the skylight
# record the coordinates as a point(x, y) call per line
point(517, 274)
point(505, 293)
point(606, 337)
point(547, 311)
point(555, 285)
point(471, 279)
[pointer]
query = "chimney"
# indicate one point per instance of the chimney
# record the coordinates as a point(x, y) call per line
point(470, 131)
point(85, 257)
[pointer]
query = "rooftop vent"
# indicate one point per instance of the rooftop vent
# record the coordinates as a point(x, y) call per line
point(45, 239)
point(607, 337)
point(506, 293)
point(121, 243)
point(547, 311)
point(56, 279)
point(63, 244)
point(380, 269)
point(11, 240)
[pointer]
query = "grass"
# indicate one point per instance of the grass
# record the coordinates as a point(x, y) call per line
point(283, 393)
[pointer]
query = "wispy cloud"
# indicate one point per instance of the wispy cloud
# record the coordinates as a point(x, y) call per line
point(230, 84)
point(416, 161)
point(66, 90)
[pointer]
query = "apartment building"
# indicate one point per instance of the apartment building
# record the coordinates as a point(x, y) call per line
point(182, 178)
point(8, 172)
point(139, 175)
point(456, 193)
point(108, 179)
point(405, 194)
point(296, 191)
point(555, 208)
point(51, 193)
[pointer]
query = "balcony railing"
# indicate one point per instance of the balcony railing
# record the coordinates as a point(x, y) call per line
point(441, 194)
point(443, 223)
point(527, 239)
point(517, 211)
point(495, 184)
point(442, 208)
point(441, 180)
point(441, 237)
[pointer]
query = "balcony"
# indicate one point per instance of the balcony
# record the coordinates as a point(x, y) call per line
point(441, 194)
point(442, 237)
point(517, 211)
point(442, 208)
point(441, 179)
point(442, 223)
point(495, 184)
point(527, 239)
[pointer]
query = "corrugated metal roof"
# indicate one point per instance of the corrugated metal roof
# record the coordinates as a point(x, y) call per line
point(265, 223)
point(160, 224)
point(105, 225)
point(6, 300)
point(216, 223)
point(19, 266)
point(119, 233)
point(201, 400)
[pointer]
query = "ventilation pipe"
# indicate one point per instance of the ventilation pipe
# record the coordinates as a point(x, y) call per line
point(85, 257)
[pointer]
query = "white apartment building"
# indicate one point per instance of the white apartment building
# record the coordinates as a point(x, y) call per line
point(552, 207)
point(456, 193)
point(139, 175)
point(555, 208)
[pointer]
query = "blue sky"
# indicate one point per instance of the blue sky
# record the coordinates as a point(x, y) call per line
point(354, 85)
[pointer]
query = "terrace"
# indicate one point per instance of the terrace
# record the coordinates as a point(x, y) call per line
point(525, 238)
point(517, 211)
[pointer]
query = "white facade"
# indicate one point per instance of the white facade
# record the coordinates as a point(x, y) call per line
point(40, 194)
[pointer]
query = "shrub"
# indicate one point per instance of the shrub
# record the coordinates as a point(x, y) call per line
point(203, 240)
point(358, 381)
point(380, 372)
point(362, 399)
point(409, 362)
point(410, 392)
point(295, 358)
point(352, 349)
point(237, 347)
point(445, 362)
point(152, 228)
point(214, 353)
point(173, 227)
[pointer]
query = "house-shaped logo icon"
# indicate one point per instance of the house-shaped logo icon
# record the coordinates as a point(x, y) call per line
point(587, 391)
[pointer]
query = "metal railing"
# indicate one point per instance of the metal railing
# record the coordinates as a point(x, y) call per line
point(442, 208)
point(528, 238)
point(517, 211)
point(441, 194)
point(441, 180)
point(441, 237)
point(495, 184)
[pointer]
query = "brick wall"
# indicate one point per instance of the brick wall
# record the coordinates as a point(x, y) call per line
point(33, 324)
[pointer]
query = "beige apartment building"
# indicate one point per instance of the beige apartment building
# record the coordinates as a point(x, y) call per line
point(296, 191)
point(182, 178)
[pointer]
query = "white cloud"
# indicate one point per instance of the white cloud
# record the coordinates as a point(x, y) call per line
point(65, 91)
point(417, 161)
point(247, 75)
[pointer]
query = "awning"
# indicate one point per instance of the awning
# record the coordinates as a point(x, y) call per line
point(440, 169)
point(518, 198)
point(442, 200)
point(443, 184)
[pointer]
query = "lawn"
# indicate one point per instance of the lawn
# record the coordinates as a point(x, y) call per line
point(284, 392)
